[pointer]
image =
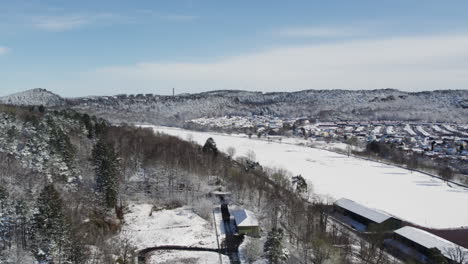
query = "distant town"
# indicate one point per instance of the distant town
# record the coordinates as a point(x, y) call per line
point(447, 141)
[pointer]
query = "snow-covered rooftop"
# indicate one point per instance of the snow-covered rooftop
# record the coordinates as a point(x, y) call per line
point(244, 217)
point(427, 239)
point(372, 214)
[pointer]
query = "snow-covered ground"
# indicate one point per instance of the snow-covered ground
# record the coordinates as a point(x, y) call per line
point(409, 195)
point(191, 257)
point(377, 129)
point(390, 130)
point(176, 227)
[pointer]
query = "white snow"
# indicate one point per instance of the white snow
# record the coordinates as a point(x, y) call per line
point(377, 129)
point(192, 257)
point(400, 192)
point(449, 128)
point(440, 130)
point(409, 130)
point(244, 217)
point(177, 227)
point(372, 214)
point(390, 130)
point(422, 131)
point(359, 129)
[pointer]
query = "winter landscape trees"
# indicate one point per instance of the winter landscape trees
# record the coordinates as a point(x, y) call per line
point(106, 167)
point(93, 173)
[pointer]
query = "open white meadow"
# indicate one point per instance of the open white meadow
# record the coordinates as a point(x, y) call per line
point(186, 257)
point(176, 227)
point(412, 196)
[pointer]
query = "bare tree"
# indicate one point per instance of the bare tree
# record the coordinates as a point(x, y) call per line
point(251, 155)
point(231, 151)
point(458, 254)
point(321, 251)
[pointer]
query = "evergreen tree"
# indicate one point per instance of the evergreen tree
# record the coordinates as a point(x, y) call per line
point(6, 220)
point(210, 146)
point(106, 168)
point(86, 119)
point(61, 144)
point(22, 222)
point(273, 248)
point(50, 230)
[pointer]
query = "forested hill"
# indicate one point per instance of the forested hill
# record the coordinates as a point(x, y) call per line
point(326, 105)
point(66, 179)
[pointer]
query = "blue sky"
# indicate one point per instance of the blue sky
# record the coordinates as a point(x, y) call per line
point(78, 48)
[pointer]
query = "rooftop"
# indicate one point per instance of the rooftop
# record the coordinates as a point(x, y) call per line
point(428, 240)
point(244, 217)
point(371, 214)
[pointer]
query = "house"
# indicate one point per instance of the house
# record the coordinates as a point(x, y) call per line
point(246, 222)
point(363, 218)
point(415, 243)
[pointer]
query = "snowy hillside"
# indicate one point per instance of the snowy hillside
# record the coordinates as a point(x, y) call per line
point(397, 191)
point(35, 96)
point(386, 104)
point(383, 104)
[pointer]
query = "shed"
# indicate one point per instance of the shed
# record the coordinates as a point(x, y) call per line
point(364, 218)
point(422, 241)
point(246, 222)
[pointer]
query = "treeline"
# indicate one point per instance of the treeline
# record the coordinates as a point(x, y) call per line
point(411, 160)
point(50, 213)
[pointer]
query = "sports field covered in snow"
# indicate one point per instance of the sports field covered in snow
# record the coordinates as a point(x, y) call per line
point(412, 196)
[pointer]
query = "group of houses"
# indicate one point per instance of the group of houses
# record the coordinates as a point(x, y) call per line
point(406, 241)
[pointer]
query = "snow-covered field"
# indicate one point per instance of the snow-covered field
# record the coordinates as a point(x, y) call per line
point(409, 195)
point(189, 257)
point(177, 227)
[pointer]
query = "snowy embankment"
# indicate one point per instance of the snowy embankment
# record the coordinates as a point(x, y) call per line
point(176, 227)
point(412, 196)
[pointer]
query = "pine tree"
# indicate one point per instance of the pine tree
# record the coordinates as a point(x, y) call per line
point(61, 144)
point(106, 168)
point(210, 146)
point(273, 248)
point(86, 119)
point(50, 230)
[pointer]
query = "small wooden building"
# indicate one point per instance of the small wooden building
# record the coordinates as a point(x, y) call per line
point(363, 218)
point(246, 222)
